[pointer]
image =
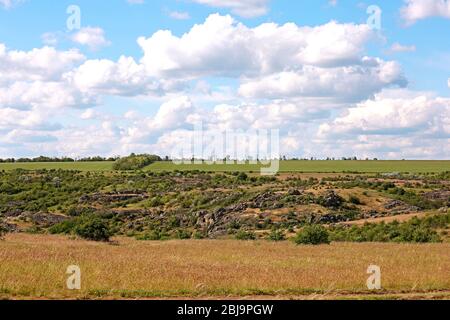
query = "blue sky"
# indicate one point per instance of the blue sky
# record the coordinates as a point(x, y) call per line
point(338, 98)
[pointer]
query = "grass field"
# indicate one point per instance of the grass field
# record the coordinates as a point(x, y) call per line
point(82, 166)
point(286, 166)
point(34, 266)
point(320, 166)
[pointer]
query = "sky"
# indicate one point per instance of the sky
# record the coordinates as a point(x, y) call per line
point(335, 77)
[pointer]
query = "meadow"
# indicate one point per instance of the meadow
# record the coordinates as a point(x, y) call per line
point(34, 266)
point(157, 233)
point(80, 166)
point(285, 166)
point(318, 166)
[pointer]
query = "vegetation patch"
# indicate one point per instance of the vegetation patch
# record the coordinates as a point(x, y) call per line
point(87, 227)
point(313, 235)
point(135, 162)
point(415, 231)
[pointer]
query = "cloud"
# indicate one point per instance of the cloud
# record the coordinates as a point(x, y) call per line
point(90, 114)
point(35, 79)
point(223, 47)
point(48, 95)
point(122, 78)
point(41, 64)
point(333, 3)
point(397, 47)
point(7, 4)
point(390, 115)
point(136, 1)
point(178, 15)
point(94, 38)
point(396, 124)
point(274, 61)
point(243, 8)
point(349, 83)
point(415, 10)
point(296, 78)
point(50, 38)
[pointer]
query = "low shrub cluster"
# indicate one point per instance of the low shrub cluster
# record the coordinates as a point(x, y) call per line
point(413, 231)
point(313, 235)
point(245, 235)
point(277, 235)
point(87, 227)
point(135, 162)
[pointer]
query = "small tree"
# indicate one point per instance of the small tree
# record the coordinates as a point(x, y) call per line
point(313, 235)
point(277, 235)
point(245, 235)
point(93, 229)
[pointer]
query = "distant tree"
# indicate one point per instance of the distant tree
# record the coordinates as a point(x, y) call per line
point(94, 229)
point(135, 162)
point(313, 235)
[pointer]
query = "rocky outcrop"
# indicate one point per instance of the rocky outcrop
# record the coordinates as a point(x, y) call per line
point(396, 207)
point(331, 200)
point(112, 197)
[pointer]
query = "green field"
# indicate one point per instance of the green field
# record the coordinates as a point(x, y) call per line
point(320, 166)
point(81, 166)
point(285, 166)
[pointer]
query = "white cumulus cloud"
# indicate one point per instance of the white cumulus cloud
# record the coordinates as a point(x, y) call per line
point(94, 38)
point(243, 8)
point(415, 10)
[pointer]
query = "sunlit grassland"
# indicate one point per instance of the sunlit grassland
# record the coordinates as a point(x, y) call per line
point(318, 166)
point(285, 166)
point(80, 166)
point(34, 266)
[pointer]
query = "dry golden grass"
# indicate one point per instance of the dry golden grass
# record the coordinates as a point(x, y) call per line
point(34, 267)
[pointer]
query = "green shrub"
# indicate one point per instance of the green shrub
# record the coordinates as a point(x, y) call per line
point(414, 231)
point(153, 235)
point(183, 234)
point(149, 236)
point(65, 227)
point(93, 229)
point(245, 235)
point(277, 235)
point(135, 162)
point(313, 235)
point(87, 227)
point(242, 176)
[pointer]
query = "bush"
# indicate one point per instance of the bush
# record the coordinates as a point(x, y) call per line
point(183, 235)
point(313, 235)
point(150, 236)
point(414, 231)
point(135, 162)
point(242, 176)
point(87, 227)
point(93, 229)
point(154, 235)
point(245, 235)
point(277, 235)
point(65, 227)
